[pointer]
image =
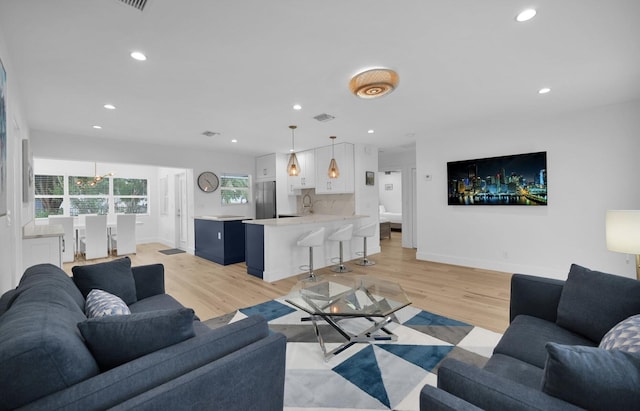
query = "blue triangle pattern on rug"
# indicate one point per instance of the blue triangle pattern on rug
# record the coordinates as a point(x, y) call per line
point(269, 310)
point(424, 356)
point(362, 370)
point(427, 318)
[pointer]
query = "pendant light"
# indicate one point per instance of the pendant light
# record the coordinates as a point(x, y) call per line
point(334, 171)
point(293, 167)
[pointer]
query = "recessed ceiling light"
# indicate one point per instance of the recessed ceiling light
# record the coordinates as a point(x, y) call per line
point(234, 141)
point(109, 106)
point(371, 131)
point(138, 56)
point(297, 107)
point(97, 127)
point(544, 90)
point(525, 15)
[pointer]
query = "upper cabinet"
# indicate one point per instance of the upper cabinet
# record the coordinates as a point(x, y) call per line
point(345, 158)
point(307, 176)
point(266, 168)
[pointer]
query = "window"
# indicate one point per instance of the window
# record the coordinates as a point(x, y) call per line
point(130, 195)
point(49, 195)
point(88, 195)
point(78, 195)
point(234, 189)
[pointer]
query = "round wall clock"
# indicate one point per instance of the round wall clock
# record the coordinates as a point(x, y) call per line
point(208, 182)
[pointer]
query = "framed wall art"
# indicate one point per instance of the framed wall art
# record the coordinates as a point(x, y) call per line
point(3, 141)
point(27, 172)
point(369, 178)
point(519, 179)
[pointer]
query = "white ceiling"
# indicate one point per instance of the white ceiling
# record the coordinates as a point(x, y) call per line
point(237, 66)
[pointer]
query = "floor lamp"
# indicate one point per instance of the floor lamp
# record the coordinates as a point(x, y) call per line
point(623, 233)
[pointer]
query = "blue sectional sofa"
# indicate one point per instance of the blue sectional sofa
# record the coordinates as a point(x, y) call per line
point(160, 357)
point(570, 345)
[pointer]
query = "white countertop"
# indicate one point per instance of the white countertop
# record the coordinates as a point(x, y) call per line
point(31, 230)
point(308, 219)
point(221, 217)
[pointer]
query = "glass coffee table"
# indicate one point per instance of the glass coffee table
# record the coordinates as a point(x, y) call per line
point(336, 298)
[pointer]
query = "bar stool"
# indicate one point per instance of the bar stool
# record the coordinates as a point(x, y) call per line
point(343, 233)
point(367, 230)
point(311, 239)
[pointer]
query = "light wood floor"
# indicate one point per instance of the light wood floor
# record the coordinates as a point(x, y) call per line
point(479, 297)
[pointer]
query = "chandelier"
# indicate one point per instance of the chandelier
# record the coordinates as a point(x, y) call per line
point(96, 178)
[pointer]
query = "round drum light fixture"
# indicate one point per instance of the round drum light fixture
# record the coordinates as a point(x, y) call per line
point(374, 83)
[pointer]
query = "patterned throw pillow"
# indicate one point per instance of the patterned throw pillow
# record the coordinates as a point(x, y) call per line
point(624, 336)
point(100, 303)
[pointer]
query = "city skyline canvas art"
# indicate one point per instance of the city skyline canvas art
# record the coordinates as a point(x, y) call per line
point(519, 179)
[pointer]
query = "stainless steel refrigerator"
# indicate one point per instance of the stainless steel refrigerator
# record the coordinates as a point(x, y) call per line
point(265, 200)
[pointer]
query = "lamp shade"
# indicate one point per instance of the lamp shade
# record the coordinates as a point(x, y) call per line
point(293, 167)
point(623, 231)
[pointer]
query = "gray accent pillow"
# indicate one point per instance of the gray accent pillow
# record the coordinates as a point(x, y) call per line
point(117, 339)
point(114, 277)
point(101, 303)
point(593, 302)
point(624, 336)
point(591, 377)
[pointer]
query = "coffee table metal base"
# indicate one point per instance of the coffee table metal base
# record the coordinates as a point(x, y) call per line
point(365, 336)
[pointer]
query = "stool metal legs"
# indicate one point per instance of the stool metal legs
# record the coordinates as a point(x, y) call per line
point(341, 268)
point(311, 273)
point(365, 260)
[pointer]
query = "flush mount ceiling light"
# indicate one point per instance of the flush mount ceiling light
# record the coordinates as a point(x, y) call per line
point(109, 106)
point(544, 90)
point(374, 83)
point(293, 167)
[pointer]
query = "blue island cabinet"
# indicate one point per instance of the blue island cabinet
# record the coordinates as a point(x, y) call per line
point(220, 241)
point(255, 249)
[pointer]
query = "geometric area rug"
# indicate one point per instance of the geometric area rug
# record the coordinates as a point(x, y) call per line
point(377, 376)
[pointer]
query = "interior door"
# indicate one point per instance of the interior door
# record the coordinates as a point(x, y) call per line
point(181, 220)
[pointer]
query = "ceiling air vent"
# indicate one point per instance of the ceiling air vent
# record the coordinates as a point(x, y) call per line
point(324, 117)
point(138, 4)
point(210, 133)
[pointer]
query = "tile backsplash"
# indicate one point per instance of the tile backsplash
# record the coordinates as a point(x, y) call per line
point(334, 204)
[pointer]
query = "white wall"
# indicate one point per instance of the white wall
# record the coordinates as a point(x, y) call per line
point(390, 199)
point(366, 197)
point(17, 216)
point(592, 166)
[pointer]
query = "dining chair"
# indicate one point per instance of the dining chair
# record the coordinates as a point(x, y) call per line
point(68, 240)
point(94, 243)
point(124, 240)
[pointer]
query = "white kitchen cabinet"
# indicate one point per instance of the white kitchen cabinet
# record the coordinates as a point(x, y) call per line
point(307, 176)
point(41, 244)
point(266, 168)
point(344, 155)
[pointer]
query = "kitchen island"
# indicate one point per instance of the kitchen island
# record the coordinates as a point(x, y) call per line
point(220, 238)
point(272, 252)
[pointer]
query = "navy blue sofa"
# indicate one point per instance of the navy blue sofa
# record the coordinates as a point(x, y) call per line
point(45, 363)
point(549, 357)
